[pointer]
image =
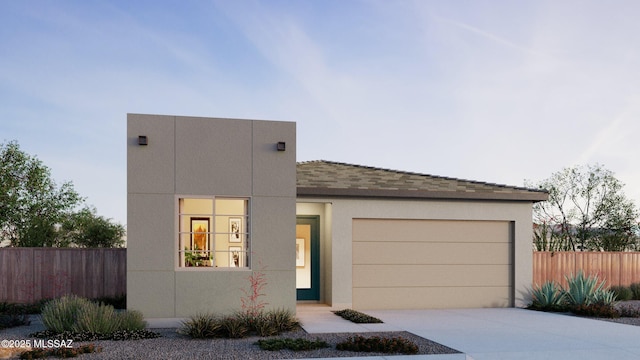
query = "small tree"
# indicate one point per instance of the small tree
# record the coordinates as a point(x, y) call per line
point(586, 210)
point(35, 212)
point(31, 203)
point(87, 229)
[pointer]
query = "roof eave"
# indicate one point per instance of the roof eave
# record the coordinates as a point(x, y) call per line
point(533, 196)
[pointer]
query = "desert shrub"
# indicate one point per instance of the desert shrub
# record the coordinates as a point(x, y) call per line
point(378, 344)
point(596, 310)
point(234, 327)
point(357, 317)
point(635, 289)
point(239, 324)
point(201, 326)
point(60, 314)
point(131, 320)
point(282, 319)
point(77, 315)
point(622, 293)
point(96, 318)
point(60, 352)
point(291, 344)
point(272, 322)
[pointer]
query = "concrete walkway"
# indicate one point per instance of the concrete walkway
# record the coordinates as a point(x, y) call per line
point(483, 334)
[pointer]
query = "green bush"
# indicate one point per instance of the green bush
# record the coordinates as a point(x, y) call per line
point(357, 317)
point(118, 302)
point(635, 289)
point(291, 344)
point(622, 293)
point(378, 344)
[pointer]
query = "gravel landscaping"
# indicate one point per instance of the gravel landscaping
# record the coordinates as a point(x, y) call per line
point(175, 346)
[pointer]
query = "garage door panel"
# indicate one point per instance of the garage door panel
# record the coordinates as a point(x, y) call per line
point(431, 253)
point(430, 297)
point(431, 275)
point(418, 264)
point(392, 230)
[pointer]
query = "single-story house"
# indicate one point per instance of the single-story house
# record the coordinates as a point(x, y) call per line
point(213, 201)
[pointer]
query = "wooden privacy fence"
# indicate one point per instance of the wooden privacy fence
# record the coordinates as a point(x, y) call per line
point(31, 274)
point(617, 268)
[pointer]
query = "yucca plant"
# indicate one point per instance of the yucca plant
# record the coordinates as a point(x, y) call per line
point(581, 289)
point(549, 295)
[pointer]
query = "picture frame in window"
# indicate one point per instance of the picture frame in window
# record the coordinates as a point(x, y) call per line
point(235, 256)
point(235, 229)
point(200, 233)
point(300, 252)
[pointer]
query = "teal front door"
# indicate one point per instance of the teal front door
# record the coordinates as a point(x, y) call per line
point(308, 258)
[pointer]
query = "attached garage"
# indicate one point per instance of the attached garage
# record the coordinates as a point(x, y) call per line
point(409, 264)
point(397, 240)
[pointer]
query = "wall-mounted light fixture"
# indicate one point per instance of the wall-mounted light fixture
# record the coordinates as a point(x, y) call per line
point(281, 146)
point(142, 140)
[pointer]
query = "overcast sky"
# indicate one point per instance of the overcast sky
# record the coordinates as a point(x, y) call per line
point(496, 91)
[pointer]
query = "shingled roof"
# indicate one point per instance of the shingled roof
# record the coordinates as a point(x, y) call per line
point(333, 179)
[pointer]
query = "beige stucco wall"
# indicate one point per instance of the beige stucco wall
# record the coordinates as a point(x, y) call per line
point(338, 277)
point(191, 156)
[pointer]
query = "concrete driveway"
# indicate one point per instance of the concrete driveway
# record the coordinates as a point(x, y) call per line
point(494, 333)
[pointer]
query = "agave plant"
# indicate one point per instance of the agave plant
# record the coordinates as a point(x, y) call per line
point(586, 290)
point(548, 295)
point(604, 297)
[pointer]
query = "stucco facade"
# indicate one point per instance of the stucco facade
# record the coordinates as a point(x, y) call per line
point(214, 161)
point(213, 201)
point(337, 217)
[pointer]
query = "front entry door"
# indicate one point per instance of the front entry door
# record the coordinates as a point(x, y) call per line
point(308, 258)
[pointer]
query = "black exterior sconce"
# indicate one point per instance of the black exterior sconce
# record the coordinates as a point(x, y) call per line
point(281, 146)
point(142, 140)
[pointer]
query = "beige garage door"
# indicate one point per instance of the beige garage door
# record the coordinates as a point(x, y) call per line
point(431, 264)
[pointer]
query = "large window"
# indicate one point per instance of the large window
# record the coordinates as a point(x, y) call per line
point(213, 232)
